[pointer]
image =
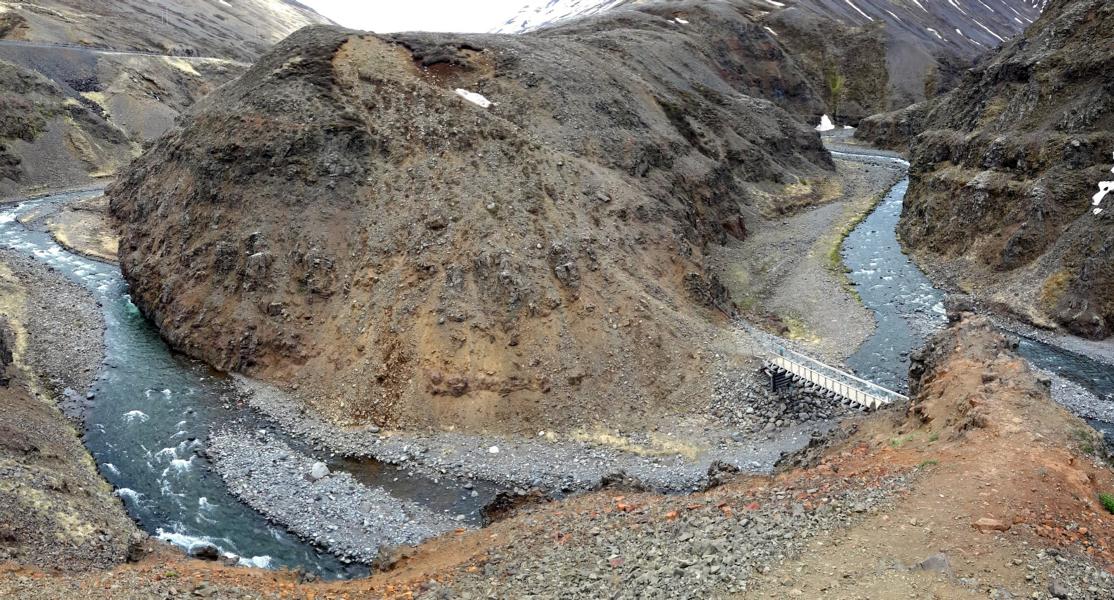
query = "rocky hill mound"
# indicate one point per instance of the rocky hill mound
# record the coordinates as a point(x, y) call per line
point(1006, 176)
point(927, 45)
point(474, 232)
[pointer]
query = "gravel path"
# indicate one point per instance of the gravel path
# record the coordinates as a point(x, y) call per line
point(562, 466)
point(332, 510)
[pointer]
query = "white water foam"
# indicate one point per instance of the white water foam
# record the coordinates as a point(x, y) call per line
point(129, 494)
point(133, 416)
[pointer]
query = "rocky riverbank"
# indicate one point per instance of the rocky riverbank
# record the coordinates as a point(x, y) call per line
point(330, 509)
point(57, 511)
point(64, 339)
point(682, 456)
point(787, 271)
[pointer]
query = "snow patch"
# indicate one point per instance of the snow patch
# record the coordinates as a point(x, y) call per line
point(474, 98)
point(852, 5)
point(1105, 187)
point(681, 21)
point(777, 4)
point(825, 124)
point(772, 31)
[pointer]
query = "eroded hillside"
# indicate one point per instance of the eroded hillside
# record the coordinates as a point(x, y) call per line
point(340, 220)
point(239, 30)
point(87, 84)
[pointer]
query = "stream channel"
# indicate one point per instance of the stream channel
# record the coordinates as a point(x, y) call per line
point(153, 408)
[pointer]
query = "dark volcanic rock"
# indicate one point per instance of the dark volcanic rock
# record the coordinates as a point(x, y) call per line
point(1004, 176)
point(341, 218)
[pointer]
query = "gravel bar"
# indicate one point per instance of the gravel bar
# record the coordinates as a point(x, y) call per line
point(349, 519)
point(521, 463)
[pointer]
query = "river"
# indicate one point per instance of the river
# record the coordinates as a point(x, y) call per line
point(908, 309)
point(152, 413)
point(153, 408)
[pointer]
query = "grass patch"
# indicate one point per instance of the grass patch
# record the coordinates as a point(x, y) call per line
point(835, 257)
point(900, 440)
point(932, 462)
point(797, 330)
point(935, 437)
point(1086, 440)
point(657, 445)
point(1107, 501)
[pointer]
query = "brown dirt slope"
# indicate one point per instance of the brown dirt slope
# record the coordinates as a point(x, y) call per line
point(1004, 174)
point(340, 220)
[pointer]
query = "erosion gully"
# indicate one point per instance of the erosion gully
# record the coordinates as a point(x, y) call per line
point(153, 408)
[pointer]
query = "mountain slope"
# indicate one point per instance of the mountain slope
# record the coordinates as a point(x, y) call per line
point(341, 219)
point(1006, 172)
point(240, 30)
point(90, 110)
point(927, 44)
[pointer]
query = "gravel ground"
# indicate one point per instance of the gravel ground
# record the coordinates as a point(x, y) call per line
point(703, 547)
point(1079, 400)
point(334, 511)
point(65, 328)
point(552, 465)
point(783, 268)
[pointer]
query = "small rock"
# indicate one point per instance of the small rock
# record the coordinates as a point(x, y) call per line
point(204, 551)
point(318, 471)
point(986, 525)
point(1057, 589)
point(937, 563)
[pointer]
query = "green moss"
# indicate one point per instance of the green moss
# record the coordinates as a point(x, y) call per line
point(1107, 501)
point(835, 256)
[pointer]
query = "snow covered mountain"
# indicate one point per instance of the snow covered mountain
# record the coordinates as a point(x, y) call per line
point(928, 43)
point(540, 13)
point(966, 26)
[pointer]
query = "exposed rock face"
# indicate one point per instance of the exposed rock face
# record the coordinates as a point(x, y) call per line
point(926, 45)
point(341, 219)
point(1003, 178)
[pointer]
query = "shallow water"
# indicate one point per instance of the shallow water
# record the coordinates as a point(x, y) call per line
point(150, 418)
point(908, 309)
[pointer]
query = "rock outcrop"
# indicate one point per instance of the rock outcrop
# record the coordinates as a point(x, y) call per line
point(1006, 173)
point(473, 232)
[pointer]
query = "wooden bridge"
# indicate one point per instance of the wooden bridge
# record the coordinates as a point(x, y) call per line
point(784, 365)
